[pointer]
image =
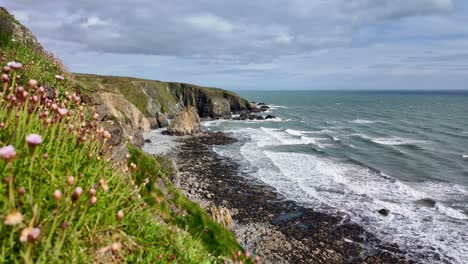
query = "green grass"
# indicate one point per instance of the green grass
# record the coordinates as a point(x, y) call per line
point(188, 215)
point(159, 226)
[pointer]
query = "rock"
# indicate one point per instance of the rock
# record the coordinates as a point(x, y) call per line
point(384, 212)
point(10, 27)
point(186, 122)
point(162, 120)
point(148, 140)
point(270, 117)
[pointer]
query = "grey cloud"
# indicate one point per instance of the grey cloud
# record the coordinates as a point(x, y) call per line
point(230, 31)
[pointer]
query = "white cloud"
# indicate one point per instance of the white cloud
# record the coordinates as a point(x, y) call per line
point(210, 22)
point(94, 21)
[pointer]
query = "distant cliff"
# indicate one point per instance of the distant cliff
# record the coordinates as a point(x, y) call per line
point(138, 105)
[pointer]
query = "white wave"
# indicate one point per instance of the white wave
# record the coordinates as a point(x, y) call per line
point(325, 183)
point(395, 141)
point(281, 137)
point(363, 121)
point(465, 156)
point(296, 132)
point(336, 139)
point(272, 106)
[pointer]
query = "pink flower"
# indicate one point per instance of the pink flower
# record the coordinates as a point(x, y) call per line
point(5, 78)
point(14, 218)
point(8, 153)
point(14, 65)
point(120, 215)
point(59, 77)
point(34, 140)
point(62, 112)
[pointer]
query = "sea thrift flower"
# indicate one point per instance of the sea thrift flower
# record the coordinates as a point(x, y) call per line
point(14, 65)
point(34, 234)
point(45, 156)
point(6, 69)
point(116, 246)
point(120, 215)
point(24, 234)
point(62, 112)
point(257, 259)
point(77, 194)
point(8, 153)
point(247, 255)
point(59, 77)
point(104, 185)
point(106, 134)
point(92, 192)
point(21, 191)
point(71, 180)
point(32, 83)
point(5, 78)
point(41, 90)
point(14, 218)
point(64, 225)
point(34, 140)
point(93, 200)
point(57, 195)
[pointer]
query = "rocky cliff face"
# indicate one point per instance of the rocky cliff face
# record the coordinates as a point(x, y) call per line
point(187, 122)
point(12, 30)
point(152, 102)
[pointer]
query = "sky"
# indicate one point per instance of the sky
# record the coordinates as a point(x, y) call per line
point(261, 44)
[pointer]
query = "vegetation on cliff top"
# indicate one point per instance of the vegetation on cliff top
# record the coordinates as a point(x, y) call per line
point(64, 200)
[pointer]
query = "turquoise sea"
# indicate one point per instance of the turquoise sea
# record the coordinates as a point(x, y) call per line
point(354, 153)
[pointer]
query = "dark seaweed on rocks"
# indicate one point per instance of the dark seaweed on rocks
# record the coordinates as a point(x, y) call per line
point(272, 227)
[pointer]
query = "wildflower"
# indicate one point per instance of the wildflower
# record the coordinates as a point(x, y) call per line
point(5, 78)
point(96, 116)
point(64, 225)
point(34, 140)
point(57, 195)
point(116, 246)
point(14, 65)
point(257, 259)
point(127, 156)
point(71, 180)
point(6, 69)
point(8, 153)
point(24, 234)
point(92, 192)
point(2, 125)
point(59, 77)
point(21, 191)
point(45, 156)
point(32, 83)
point(71, 128)
point(130, 138)
point(62, 112)
point(34, 234)
point(106, 134)
point(104, 185)
point(93, 200)
point(14, 218)
point(41, 90)
point(120, 215)
point(77, 194)
point(247, 255)
point(35, 99)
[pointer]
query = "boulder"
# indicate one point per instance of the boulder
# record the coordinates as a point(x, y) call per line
point(384, 212)
point(187, 122)
point(147, 140)
point(270, 117)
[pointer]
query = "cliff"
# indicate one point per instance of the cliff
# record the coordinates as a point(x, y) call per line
point(138, 105)
point(66, 199)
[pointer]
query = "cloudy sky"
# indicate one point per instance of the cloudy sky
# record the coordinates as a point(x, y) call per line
point(262, 44)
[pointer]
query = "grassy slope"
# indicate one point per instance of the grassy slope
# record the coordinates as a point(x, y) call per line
point(156, 228)
point(131, 88)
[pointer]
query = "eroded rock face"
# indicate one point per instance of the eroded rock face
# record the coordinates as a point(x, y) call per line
point(120, 117)
point(187, 122)
point(18, 32)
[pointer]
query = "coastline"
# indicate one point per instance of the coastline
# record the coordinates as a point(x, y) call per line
point(265, 223)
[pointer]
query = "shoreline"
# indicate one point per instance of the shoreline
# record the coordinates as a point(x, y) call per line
point(267, 224)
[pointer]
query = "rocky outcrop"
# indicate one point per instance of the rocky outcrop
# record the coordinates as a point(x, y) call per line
point(186, 122)
point(12, 29)
point(118, 116)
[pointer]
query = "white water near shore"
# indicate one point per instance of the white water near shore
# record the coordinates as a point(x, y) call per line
point(359, 166)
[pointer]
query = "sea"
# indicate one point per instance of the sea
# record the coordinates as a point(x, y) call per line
point(354, 153)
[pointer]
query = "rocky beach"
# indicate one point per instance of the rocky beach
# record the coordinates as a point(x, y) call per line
point(264, 222)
